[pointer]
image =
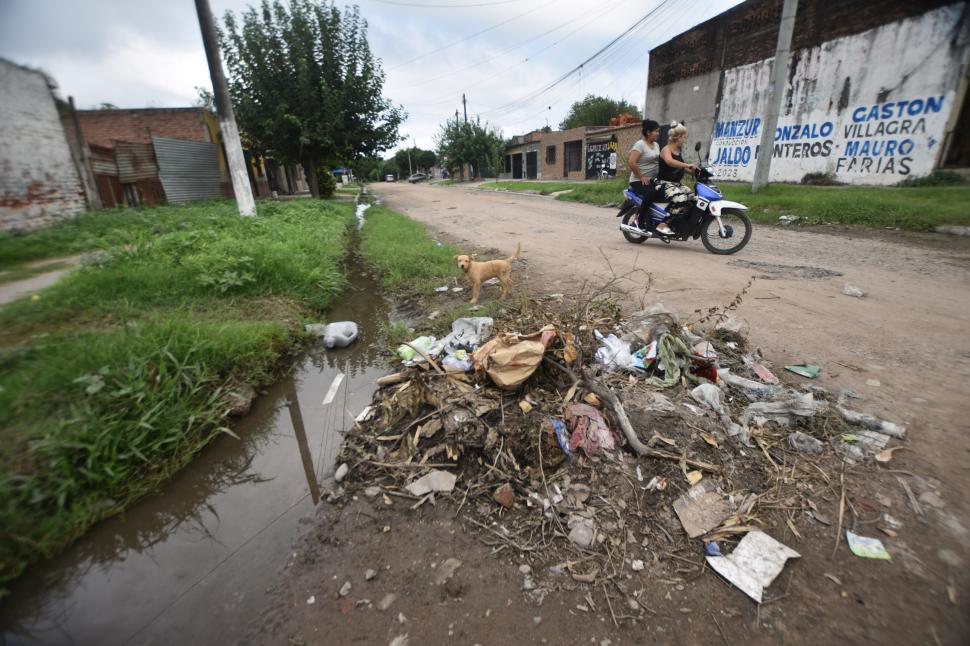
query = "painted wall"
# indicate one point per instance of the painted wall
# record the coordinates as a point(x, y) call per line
point(871, 108)
point(39, 184)
point(692, 100)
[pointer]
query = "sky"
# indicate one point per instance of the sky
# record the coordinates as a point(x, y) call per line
point(499, 53)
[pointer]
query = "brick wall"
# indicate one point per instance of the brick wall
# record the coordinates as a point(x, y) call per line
point(748, 33)
point(557, 140)
point(101, 127)
point(39, 184)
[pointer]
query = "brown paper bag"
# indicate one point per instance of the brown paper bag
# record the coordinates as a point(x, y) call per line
point(509, 359)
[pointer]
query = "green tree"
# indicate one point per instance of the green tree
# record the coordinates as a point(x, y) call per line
point(421, 160)
point(472, 143)
point(305, 86)
point(596, 111)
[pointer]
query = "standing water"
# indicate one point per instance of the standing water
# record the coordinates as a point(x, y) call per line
point(193, 563)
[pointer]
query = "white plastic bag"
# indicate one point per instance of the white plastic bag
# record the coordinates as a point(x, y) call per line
point(614, 352)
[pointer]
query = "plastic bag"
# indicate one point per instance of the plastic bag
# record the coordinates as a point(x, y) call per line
point(408, 353)
point(614, 352)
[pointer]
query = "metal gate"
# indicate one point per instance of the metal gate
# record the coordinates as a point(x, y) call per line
point(189, 170)
point(531, 165)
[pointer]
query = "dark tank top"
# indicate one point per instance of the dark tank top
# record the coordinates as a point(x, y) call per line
point(669, 173)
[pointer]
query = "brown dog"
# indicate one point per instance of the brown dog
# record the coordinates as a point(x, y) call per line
point(478, 272)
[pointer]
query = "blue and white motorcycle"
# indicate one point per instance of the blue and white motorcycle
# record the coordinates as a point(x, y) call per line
point(722, 225)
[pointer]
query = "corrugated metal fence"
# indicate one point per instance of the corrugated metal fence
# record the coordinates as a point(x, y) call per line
point(189, 170)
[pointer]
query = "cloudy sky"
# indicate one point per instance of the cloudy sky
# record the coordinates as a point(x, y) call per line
point(500, 53)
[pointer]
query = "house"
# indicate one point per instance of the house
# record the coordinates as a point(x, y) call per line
point(587, 152)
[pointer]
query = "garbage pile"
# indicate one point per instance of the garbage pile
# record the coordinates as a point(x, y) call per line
point(591, 447)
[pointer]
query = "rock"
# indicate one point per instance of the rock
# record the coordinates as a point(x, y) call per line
point(400, 640)
point(932, 499)
point(504, 495)
point(372, 492)
point(241, 400)
point(434, 481)
point(528, 583)
point(851, 290)
point(341, 472)
point(732, 324)
point(446, 570)
point(401, 618)
point(386, 602)
point(369, 574)
point(638, 565)
point(453, 586)
point(581, 531)
point(345, 589)
point(525, 569)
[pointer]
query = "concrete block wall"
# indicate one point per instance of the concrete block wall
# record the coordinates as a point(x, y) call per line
point(39, 183)
point(557, 140)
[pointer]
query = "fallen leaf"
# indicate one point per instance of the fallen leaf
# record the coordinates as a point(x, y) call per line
point(834, 579)
point(888, 532)
point(709, 439)
point(525, 406)
point(887, 454)
point(572, 391)
point(693, 477)
point(791, 526)
point(822, 518)
point(591, 399)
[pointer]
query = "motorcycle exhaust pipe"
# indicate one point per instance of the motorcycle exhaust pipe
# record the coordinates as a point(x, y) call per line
point(635, 231)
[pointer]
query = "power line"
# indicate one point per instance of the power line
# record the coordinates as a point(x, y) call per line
point(476, 34)
point(534, 95)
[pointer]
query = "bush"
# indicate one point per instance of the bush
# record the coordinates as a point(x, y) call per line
point(936, 178)
point(327, 183)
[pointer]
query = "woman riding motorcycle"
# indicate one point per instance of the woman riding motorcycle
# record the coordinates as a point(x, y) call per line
point(644, 166)
point(670, 173)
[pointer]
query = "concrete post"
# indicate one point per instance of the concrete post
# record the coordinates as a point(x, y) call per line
point(779, 70)
point(227, 120)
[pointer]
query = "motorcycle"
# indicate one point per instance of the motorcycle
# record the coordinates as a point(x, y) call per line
point(722, 225)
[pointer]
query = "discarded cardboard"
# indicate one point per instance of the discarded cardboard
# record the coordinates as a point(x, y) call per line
point(510, 359)
point(700, 510)
point(754, 564)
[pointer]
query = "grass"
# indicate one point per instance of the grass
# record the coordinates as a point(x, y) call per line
point(917, 208)
point(117, 375)
point(543, 188)
point(403, 254)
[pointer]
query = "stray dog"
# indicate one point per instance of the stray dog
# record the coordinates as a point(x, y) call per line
point(478, 272)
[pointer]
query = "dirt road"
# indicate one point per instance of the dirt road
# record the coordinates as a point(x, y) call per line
point(902, 348)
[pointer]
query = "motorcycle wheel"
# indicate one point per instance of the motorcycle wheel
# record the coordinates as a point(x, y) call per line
point(738, 228)
point(631, 216)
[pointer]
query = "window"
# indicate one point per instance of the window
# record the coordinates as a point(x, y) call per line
point(550, 154)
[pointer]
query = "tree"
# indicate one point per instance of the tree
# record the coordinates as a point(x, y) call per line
point(596, 111)
point(305, 85)
point(421, 160)
point(469, 143)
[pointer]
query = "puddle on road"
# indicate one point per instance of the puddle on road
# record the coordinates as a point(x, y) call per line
point(194, 562)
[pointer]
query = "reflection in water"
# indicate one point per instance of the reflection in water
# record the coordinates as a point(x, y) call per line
point(195, 560)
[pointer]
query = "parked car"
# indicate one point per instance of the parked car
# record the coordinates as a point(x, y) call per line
point(417, 177)
point(389, 177)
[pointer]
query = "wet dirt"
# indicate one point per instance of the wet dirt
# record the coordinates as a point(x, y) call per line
point(195, 560)
point(775, 271)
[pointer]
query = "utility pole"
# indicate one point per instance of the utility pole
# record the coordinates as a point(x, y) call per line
point(410, 169)
point(464, 104)
point(776, 92)
point(227, 120)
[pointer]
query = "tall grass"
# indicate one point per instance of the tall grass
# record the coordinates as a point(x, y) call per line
point(401, 251)
point(122, 376)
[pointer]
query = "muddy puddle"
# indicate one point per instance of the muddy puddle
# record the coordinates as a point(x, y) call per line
point(193, 564)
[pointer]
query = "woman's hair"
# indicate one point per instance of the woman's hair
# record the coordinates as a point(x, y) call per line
point(649, 125)
point(677, 131)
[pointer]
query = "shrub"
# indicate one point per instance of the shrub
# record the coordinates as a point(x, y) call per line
point(821, 179)
point(936, 178)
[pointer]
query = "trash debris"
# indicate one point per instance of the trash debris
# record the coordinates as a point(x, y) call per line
point(700, 510)
point(466, 334)
point(752, 390)
point(589, 430)
point(434, 481)
point(637, 565)
point(558, 429)
point(788, 219)
point(345, 589)
point(756, 561)
point(760, 371)
point(510, 359)
point(417, 349)
point(657, 483)
point(645, 356)
point(614, 353)
point(442, 289)
point(341, 472)
point(712, 548)
point(866, 547)
point(805, 443)
point(784, 409)
point(370, 574)
point(460, 361)
point(868, 421)
point(850, 290)
point(805, 370)
point(339, 335)
point(710, 396)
